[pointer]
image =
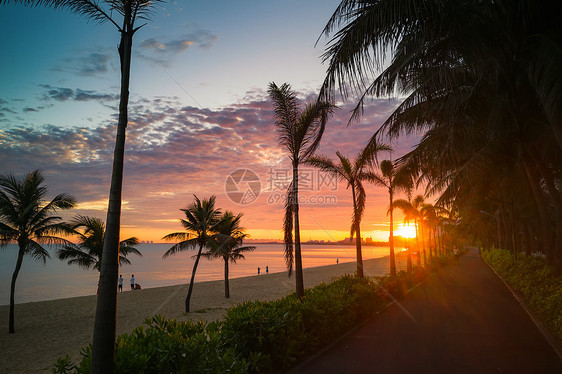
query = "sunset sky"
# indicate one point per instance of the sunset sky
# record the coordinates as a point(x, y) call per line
point(198, 111)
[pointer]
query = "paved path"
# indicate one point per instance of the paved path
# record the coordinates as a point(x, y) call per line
point(464, 321)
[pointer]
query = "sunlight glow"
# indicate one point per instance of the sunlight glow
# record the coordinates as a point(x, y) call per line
point(406, 231)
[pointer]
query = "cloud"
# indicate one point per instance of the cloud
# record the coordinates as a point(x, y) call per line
point(92, 64)
point(176, 151)
point(202, 39)
point(162, 51)
point(29, 109)
point(64, 94)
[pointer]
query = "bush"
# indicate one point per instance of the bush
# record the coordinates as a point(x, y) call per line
point(254, 336)
point(533, 279)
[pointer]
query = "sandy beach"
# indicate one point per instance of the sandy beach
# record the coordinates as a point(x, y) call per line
point(51, 329)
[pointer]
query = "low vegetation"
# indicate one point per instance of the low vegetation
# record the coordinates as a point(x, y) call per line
point(254, 336)
point(533, 279)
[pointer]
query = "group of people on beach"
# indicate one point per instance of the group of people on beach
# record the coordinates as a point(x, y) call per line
point(266, 270)
point(134, 286)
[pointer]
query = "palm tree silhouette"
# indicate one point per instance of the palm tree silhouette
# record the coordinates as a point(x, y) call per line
point(393, 180)
point(228, 244)
point(299, 131)
point(129, 11)
point(88, 252)
point(354, 173)
point(200, 223)
point(29, 221)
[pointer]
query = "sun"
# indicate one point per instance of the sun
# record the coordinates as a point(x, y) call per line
point(406, 231)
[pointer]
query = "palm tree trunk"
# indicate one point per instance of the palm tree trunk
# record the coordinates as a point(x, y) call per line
point(542, 207)
point(299, 281)
point(103, 343)
point(391, 237)
point(418, 260)
point(11, 325)
point(423, 246)
point(226, 285)
point(190, 290)
point(409, 257)
point(358, 252)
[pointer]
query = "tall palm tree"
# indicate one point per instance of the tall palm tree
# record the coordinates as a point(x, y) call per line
point(394, 180)
point(88, 252)
point(200, 223)
point(354, 173)
point(299, 131)
point(123, 15)
point(228, 244)
point(27, 219)
point(409, 214)
point(417, 204)
point(487, 104)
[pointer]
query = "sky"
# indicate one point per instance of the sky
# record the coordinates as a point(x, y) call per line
point(200, 121)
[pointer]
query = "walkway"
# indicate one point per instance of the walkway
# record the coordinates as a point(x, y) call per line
point(462, 320)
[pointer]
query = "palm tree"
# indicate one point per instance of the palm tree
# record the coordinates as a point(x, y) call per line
point(394, 180)
point(408, 211)
point(28, 220)
point(489, 105)
point(87, 253)
point(417, 204)
point(299, 131)
point(354, 173)
point(200, 223)
point(228, 244)
point(129, 11)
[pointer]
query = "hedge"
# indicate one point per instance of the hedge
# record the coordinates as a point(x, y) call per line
point(254, 337)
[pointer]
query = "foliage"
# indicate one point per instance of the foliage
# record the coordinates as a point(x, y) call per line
point(87, 253)
point(254, 336)
point(532, 278)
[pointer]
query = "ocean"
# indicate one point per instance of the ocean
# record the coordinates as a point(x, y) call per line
point(55, 279)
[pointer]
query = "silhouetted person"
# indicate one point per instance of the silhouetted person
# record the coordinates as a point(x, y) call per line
point(259, 270)
point(133, 282)
point(120, 283)
point(267, 269)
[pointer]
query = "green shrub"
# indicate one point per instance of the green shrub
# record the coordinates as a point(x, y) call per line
point(533, 279)
point(254, 336)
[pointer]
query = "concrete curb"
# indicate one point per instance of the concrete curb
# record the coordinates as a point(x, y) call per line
point(342, 337)
point(540, 326)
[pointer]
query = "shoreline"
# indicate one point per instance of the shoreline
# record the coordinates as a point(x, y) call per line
point(47, 330)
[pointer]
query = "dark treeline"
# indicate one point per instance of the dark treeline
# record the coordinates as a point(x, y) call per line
point(482, 81)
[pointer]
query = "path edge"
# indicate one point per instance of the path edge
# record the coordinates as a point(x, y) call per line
point(552, 341)
point(352, 330)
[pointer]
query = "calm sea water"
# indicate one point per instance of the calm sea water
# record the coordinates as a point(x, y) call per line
point(56, 279)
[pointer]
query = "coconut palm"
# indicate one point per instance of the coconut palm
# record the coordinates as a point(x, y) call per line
point(299, 131)
point(123, 15)
point(489, 104)
point(409, 214)
point(228, 244)
point(354, 173)
point(394, 180)
point(27, 219)
point(200, 223)
point(417, 203)
point(87, 253)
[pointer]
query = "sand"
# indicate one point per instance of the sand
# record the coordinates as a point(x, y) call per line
point(51, 329)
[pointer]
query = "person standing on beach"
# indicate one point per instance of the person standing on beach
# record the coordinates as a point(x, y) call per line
point(133, 282)
point(120, 283)
point(266, 269)
point(259, 270)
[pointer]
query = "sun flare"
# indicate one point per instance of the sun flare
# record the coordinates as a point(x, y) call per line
point(406, 231)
